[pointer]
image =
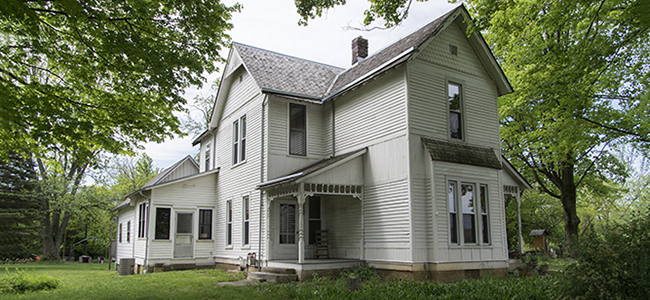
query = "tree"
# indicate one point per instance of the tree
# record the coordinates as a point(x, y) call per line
point(18, 208)
point(579, 71)
point(86, 75)
point(393, 12)
point(201, 106)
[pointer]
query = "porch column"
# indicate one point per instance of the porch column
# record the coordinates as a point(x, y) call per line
point(301, 223)
point(521, 238)
point(267, 213)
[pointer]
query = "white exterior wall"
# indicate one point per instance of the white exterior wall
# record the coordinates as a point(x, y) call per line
point(183, 196)
point(125, 249)
point(374, 116)
point(428, 76)
point(239, 180)
point(342, 219)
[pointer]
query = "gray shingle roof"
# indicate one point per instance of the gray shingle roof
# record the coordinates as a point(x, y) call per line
point(462, 154)
point(279, 72)
point(275, 72)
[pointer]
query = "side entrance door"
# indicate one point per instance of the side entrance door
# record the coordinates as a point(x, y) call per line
point(286, 236)
point(183, 242)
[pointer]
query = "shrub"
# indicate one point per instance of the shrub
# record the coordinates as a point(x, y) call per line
point(613, 263)
point(22, 282)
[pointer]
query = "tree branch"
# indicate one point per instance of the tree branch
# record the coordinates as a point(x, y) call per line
point(623, 131)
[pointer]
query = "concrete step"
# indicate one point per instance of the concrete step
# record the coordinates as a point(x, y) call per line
point(272, 277)
point(278, 270)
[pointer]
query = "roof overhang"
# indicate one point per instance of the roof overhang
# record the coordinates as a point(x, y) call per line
point(515, 174)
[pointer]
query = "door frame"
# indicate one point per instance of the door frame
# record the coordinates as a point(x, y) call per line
point(285, 251)
point(191, 234)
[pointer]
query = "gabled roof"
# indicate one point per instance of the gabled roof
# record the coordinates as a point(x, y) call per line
point(276, 72)
point(313, 169)
point(163, 176)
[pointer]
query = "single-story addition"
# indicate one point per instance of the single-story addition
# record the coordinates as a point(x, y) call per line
point(394, 162)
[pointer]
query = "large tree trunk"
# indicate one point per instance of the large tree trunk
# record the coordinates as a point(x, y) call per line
point(568, 199)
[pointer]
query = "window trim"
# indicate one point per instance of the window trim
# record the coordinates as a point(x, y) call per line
point(289, 129)
point(246, 232)
point(143, 210)
point(169, 225)
point(119, 236)
point(239, 135)
point(128, 231)
point(206, 157)
point(229, 225)
point(461, 110)
point(478, 215)
point(209, 225)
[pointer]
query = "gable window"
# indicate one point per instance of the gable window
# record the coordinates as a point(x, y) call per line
point(455, 111)
point(207, 157)
point(205, 224)
point(314, 218)
point(119, 235)
point(142, 219)
point(128, 231)
point(246, 220)
point(162, 223)
point(229, 223)
point(239, 140)
point(468, 213)
point(297, 129)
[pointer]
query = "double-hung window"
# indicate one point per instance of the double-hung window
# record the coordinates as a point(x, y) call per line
point(162, 223)
point(297, 129)
point(128, 231)
point(468, 213)
point(205, 224)
point(142, 219)
point(119, 235)
point(239, 140)
point(207, 157)
point(246, 220)
point(229, 223)
point(455, 111)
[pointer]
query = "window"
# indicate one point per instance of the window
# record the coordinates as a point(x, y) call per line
point(246, 214)
point(455, 111)
point(205, 224)
point(162, 223)
point(128, 231)
point(229, 223)
point(142, 219)
point(239, 140)
point(119, 234)
point(297, 129)
point(314, 218)
point(207, 157)
point(472, 205)
point(287, 223)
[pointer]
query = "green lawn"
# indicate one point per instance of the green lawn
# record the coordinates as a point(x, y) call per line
point(95, 281)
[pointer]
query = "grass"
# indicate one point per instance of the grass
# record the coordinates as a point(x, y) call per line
point(95, 281)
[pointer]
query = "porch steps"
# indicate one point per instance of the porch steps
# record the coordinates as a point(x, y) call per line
point(276, 275)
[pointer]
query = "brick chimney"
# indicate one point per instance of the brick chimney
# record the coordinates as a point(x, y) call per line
point(359, 49)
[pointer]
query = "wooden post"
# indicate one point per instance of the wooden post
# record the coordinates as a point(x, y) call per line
point(301, 224)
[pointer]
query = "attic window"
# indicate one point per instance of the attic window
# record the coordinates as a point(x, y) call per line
point(453, 49)
point(241, 78)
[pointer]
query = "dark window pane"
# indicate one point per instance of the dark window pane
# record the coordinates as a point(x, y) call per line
point(229, 234)
point(314, 225)
point(469, 232)
point(184, 223)
point(455, 110)
point(162, 223)
point(205, 224)
point(454, 125)
point(486, 238)
point(314, 207)
point(246, 233)
point(467, 197)
point(287, 223)
point(128, 231)
point(452, 226)
point(297, 130)
point(452, 197)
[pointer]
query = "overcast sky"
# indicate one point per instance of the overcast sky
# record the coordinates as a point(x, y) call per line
point(273, 25)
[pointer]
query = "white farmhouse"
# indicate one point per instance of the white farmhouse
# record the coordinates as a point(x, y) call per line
point(394, 162)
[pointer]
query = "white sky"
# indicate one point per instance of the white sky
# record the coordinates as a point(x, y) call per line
point(273, 25)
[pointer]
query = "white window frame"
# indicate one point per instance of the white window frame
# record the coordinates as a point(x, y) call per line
point(460, 111)
point(245, 232)
point(169, 224)
point(480, 189)
point(206, 157)
point(239, 133)
point(198, 231)
point(229, 225)
point(128, 231)
point(119, 236)
point(143, 210)
point(289, 129)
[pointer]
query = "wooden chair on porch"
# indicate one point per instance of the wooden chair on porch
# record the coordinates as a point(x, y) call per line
point(321, 247)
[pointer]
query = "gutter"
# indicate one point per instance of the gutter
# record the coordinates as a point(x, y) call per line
point(146, 245)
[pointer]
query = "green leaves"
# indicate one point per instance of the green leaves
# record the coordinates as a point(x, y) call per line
point(89, 75)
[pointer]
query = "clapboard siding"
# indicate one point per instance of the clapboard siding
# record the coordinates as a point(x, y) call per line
point(386, 211)
point(240, 92)
point(343, 219)
point(428, 76)
point(373, 113)
point(450, 253)
point(125, 249)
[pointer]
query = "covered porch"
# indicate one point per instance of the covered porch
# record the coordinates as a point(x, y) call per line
point(314, 216)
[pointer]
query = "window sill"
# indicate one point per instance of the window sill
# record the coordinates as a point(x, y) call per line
point(246, 247)
point(229, 247)
point(204, 240)
point(469, 246)
point(238, 164)
point(297, 155)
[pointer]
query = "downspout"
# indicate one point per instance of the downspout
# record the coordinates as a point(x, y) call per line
point(259, 239)
point(146, 233)
point(333, 135)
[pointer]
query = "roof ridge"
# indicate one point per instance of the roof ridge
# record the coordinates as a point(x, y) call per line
point(289, 56)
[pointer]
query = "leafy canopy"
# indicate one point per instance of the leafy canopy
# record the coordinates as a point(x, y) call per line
point(102, 74)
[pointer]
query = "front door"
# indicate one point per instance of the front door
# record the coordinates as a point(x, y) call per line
point(183, 245)
point(286, 233)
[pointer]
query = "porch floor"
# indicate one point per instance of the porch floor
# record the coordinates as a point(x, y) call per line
point(315, 264)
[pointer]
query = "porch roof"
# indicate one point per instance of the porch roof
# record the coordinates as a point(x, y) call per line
point(313, 169)
point(461, 154)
